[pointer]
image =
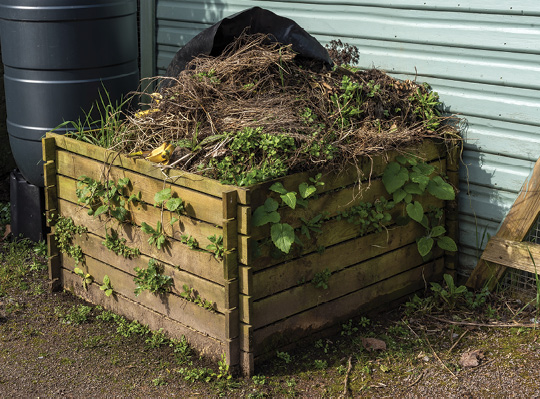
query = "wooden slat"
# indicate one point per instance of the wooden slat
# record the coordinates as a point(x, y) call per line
point(335, 258)
point(245, 280)
point(229, 203)
point(518, 255)
point(54, 263)
point(289, 330)
point(170, 305)
point(230, 265)
point(232, 353)
point(197, 204)
point(247, 363)
point(246, 337)
point(48, 146)
point(333, 203)
point(245, 249)
point(231, 294)
point(49, 173)
point(230, 234)
point(246, 309)
point(351, 279)
point(232, 324)
point(332, 232)
point(177, 254)
point(514, 227)
point(189, 180)
point(134, 310)
point(369, 167)
point(93, 247)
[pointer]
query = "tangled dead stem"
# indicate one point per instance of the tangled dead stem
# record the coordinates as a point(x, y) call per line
point(260, 111)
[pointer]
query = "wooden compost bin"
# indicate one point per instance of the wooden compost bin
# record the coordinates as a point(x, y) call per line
point(262, 303)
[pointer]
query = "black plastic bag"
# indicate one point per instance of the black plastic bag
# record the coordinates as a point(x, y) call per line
point(212, 41)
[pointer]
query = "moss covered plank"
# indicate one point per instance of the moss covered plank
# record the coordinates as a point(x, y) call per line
point(170, 305)
point(175, 253)
point(342, 282)
point(197, 205)
point(299, 326)
point(189, 180)
point(335, 258)
point(134, 310)
point(93, 247)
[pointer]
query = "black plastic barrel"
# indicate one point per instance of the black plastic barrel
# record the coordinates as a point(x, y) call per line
point(58, 55)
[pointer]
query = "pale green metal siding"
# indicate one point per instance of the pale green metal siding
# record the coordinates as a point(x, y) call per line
point(483, 59)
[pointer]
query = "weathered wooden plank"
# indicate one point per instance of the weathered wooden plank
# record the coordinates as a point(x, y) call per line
point(332, 232)
point(514, 227)
point(287, 331)
point(232, 353)
point(93, 247)
point(246, 309)
point(518, 255)
point(247, 363)
point(245, 280)
point(230, 234)
point(170, 305)
point(243, 214)
point(177, 254)
point(230, 265)
point(231, 324)
point(49, 173)
point(245, 244)
point(51, 204)
point(229, 202)
point(342, 282)
point(286, 275)
point(48, 147)
point(333, 203)
point(134, 310)
point(231, 294)
point(246, 337)
point(189, 180)
point(197, 205)
point(54, 263)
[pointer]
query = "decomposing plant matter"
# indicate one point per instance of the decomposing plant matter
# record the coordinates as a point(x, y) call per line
point(331, 116)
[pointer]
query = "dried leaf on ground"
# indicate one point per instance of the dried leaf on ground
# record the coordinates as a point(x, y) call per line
point(373, 344)
point(471, 358)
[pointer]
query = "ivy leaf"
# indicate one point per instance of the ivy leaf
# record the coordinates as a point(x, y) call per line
point(441, 189)
point(415, 211)
point(424, 245)
point(123, 182)
point(399, 195)
point(289, 199)
point(306, 190)
point(283, 236)
point(278, 188)
point(394, 177)
point(438, 231)
point(146, 228)
point(447, 244)
point(401, 159)
point(423, 168)
point(161, 196)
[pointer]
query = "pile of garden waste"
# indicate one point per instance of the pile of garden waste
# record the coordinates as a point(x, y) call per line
point(259, 111)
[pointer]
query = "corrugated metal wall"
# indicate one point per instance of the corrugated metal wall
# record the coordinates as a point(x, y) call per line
point(483, 59)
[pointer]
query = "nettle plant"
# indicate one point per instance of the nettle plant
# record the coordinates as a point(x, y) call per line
point(283, 234)
point(409, 176)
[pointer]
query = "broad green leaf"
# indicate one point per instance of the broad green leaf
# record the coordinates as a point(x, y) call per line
point(106, 280)
point(123, 182)
point(394, 177)
point(447, 244)
point(173, 204)
point(408, 198)
point(425, 222)
point(278, 188)
point(283, 236)
point(289, 199)
point(423, 169)
point(173, 220)
point(101, 210)
point(270, 205)
point(306, 190)
point(413, 188)
point(415, 211)
point(261, 216)
point(424, 245)
point(162, 195)
point(146, 228)
point(302, 202)
point(399, 195)
point(441, 189)
point(438, 231)
point(401, 159)
point(78, 271)
point(419, 178)
point(108, 292)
